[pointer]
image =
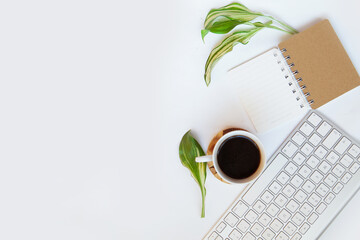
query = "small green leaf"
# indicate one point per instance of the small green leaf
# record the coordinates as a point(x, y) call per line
point(231, 15)
point(223, 20)
point(227, 45)
point(189, 149)
point(203, 33)
point(222, 27)
point(231, 12)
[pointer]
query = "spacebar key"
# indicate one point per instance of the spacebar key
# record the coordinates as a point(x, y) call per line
point(264, 179)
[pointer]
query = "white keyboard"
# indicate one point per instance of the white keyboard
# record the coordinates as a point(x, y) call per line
point(307, 182)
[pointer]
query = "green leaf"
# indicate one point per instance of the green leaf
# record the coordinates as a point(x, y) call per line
point(222, 27)
point(223, 20)
point(203, 33)
point(229, 15)
point(230, 7)
point(189, 149)
point(227, 45)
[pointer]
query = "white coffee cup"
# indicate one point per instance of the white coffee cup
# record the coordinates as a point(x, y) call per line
point(223, 175)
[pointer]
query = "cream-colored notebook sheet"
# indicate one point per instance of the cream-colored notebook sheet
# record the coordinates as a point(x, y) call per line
point(268, 90)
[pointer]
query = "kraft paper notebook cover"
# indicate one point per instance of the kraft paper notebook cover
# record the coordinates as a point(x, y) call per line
point(306, 71)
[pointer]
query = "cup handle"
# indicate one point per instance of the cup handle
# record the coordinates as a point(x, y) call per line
point(206, 158)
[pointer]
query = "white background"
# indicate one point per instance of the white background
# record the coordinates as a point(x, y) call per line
point(95, 97)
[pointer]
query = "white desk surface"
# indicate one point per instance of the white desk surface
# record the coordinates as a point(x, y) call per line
point(95, 97)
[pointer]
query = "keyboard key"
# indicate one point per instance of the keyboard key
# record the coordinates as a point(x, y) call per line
point(346, 160)
point(296, 181)
point(240, 209)
point(231, 219)
point(324, 167)
point(324, 129)
point(332, 157)
point(289, 149)
point(249, 236)
point(313, 217)
point(315, 139)
point(298, 138)
point(280, 200)
point(292, 206)
point(330, 180)
point(257, 229)
point(291, 168)
point(346, 178)
point(306, 129)
point(307, 149)
point(313, 161)
point(259, 206)
point(338, 170)
point(283, 178)
point(275, 187)
point(235, 235)
point(320, 152)
point(354, 168)
point(308, 186)
point(221, 227)
point(268, 234)
point(284, 215)
point(213, 236)
point(264, 219)
point(314, 119)
point(306, 209)
point(243, 225)
point(304, 171)
point(288, 191)
point(272, 210)
point(314, 199)
point(298, 219)
point(329, 198)
point(300, 196)
point(282, 236)
point(276, 225)
point(322, 190)
point(290, 229)
point(338, 188)
point(304, 228)
point(251, 216)
point(299, 158)
point(354, 151)
point(332, 139)
point(316, 177)
point(342, 145)
point(219, 238)
point(266, 177)
point(320, 209)
point(267, 197)
point(297, 236)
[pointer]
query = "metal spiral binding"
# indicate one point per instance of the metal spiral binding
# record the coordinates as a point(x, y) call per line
point(295, 72)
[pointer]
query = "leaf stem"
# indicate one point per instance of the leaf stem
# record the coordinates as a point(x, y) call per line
point(203, 194)
point(292, 30)
point(269, 26)
point(280, 29)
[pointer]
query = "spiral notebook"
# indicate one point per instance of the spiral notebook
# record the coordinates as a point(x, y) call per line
point(306, 71)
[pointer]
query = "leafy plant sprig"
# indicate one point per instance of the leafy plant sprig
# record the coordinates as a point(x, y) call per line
point(189, 149)
point(225, 19)
point(227, 45)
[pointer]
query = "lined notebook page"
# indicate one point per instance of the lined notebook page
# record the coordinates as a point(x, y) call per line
point(268, 90)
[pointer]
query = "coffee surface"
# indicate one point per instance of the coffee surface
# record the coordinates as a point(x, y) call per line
point(238, 157)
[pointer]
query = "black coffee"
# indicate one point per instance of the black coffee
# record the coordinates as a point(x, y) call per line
point(238, 157)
